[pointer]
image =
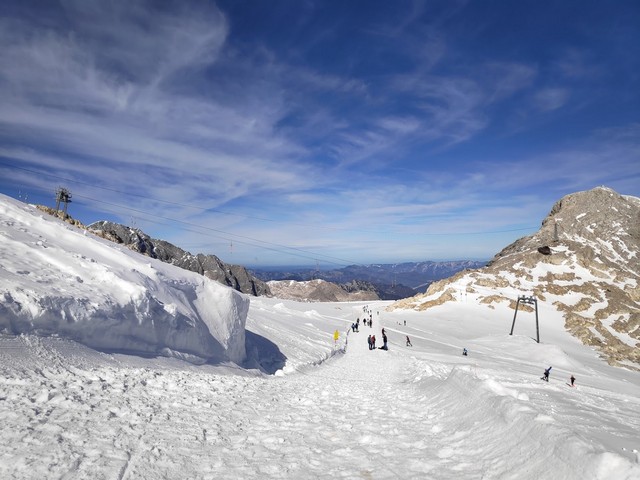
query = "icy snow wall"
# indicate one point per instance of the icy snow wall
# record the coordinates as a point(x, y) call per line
point(57, 279)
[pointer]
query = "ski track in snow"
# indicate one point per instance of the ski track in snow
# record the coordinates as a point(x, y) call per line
point(70, 412)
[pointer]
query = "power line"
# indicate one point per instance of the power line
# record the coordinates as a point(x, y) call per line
point(309, 255)
point(313, 256)
point(285, 249)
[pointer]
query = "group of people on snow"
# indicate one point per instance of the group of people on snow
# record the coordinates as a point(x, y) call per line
point(371, 340)
point(547, 372)
point(356, 326)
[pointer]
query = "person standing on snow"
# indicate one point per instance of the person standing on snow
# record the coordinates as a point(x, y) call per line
point(409, 342)
point(373, 342)
point(384, 340)
point(369, 340)
point(546, 374)
point(573, 379)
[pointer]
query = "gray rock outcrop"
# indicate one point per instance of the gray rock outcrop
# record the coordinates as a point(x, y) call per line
point(234, 276)
point(322, 291)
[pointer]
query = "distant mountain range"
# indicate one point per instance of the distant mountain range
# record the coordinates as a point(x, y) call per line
point(386, 281)
point(391, 281)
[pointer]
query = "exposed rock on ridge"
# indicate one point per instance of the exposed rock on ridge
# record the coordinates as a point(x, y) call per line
point(591, 275)
point(234, 276)
point(322, 291)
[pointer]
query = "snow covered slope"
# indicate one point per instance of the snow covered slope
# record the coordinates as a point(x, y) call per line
point(583, 267)
point(57, 279)
point(334, 410)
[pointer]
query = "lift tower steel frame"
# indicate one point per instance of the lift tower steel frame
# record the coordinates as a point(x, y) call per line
point(527, 301)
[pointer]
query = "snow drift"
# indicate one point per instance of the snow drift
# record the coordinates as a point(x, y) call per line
point(57, 279)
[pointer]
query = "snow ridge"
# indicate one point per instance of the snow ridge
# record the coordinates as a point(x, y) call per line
point(60, 280)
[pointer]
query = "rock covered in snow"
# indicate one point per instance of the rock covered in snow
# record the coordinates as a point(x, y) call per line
point(590, 273)
point(320, 291)
point(235, 276)
point(57, 280)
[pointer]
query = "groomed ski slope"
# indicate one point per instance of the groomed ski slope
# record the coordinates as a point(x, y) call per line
point(423, 412)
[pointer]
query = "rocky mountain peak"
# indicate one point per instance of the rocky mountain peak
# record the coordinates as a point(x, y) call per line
point(584, 261)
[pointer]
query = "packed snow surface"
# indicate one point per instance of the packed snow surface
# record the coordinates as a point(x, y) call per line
point(301, 405)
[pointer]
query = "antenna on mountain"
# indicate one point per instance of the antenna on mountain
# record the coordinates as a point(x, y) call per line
point(62, 195)
point(528, 301)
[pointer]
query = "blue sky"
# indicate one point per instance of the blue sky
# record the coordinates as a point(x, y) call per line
point(320, 132)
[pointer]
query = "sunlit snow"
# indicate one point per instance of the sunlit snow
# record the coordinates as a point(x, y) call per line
point(281, 399)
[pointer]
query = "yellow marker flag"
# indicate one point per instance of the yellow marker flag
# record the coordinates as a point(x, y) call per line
point(336, 336)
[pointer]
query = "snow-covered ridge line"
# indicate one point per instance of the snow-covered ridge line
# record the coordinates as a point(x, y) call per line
point(57, 279)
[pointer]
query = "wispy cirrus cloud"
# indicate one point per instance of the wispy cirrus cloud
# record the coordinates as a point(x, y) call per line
point(549, 99)
point(114, 91)
point(343, 129)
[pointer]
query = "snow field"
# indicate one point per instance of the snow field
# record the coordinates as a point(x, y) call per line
point(187, 403)
point(76, 413)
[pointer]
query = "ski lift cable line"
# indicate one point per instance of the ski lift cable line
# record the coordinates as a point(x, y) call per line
point(252, 217)
point(177, 204)
point(284, 249)
point(137, 195)
point(308, 257)
point(236, 236)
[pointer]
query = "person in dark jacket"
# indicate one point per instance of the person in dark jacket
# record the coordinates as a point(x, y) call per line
point(546, 374)
point(384, 342)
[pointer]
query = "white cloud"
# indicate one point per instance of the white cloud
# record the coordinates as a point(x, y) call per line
point(550, 99)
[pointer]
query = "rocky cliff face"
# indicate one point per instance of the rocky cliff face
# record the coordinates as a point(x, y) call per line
point(234, 276)
point(584, 260)
point(322, 291)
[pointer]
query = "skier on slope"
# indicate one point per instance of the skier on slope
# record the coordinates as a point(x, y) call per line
point(409, 342)
point(546, 374)
point(573, 379)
